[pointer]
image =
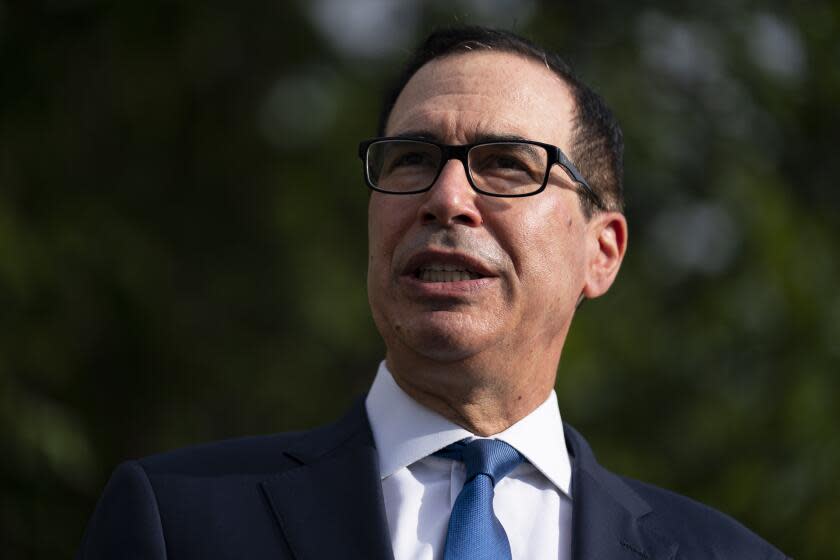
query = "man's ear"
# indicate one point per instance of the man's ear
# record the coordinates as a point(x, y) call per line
point(607, 245)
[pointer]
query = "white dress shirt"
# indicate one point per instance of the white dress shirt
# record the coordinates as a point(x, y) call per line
point(533, 503)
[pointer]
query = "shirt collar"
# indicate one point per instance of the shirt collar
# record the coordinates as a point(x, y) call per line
point(405, 432)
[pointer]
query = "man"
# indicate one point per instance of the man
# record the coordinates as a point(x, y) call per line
point(496, 210)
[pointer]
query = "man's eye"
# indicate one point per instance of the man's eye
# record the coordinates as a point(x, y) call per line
point(408, 161)
point(505, 162)
point(409, 158)
point(501, 163)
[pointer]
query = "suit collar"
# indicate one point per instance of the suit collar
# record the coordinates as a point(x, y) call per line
point(331, 506)
point(609, 520)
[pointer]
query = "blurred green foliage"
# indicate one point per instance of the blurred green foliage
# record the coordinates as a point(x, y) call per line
point(183, 252)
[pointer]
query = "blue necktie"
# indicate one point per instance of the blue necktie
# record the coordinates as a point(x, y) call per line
point(474, 531)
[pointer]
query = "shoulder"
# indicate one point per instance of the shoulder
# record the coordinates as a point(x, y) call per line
point(208, 500)
point(703, 531)
point(697, 530)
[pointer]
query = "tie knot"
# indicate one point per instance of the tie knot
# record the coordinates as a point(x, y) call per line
point(491, 457)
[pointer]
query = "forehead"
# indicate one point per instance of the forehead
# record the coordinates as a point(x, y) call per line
point(463, 97)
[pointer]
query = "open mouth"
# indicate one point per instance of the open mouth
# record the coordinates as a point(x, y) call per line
point(445, 273)
point(443, 267)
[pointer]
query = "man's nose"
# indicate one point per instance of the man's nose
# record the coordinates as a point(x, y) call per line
point(451, 200)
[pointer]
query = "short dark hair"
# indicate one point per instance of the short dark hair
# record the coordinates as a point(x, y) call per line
point(597, 142)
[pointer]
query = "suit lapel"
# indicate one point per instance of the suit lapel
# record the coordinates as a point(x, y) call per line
point(609, 520)
point(331, 505)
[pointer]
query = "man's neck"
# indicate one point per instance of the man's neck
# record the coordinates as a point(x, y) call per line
point(482, 400)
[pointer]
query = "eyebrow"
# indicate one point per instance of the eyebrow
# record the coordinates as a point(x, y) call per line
point(483, 137)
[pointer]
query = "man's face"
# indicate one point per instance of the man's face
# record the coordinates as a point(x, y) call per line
point(523, 261)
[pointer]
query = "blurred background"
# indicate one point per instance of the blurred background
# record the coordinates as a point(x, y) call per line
point(183, 241)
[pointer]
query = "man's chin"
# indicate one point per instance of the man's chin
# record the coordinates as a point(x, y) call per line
point(444, 336)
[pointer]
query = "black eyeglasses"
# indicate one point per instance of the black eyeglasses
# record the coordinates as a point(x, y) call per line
point(510, 168)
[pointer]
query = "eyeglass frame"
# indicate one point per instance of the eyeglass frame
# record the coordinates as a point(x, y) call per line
point(461, 152)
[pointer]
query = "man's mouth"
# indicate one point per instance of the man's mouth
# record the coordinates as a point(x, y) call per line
point(435, 272)
point(445, 273)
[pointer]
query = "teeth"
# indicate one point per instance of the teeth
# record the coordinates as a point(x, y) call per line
point(449, 274)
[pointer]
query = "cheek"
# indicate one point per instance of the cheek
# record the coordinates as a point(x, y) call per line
point(535, 239)
point(386, 221)
point(379, 256)
point(548, 254)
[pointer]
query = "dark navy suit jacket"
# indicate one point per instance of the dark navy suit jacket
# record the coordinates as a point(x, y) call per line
point(317, 495)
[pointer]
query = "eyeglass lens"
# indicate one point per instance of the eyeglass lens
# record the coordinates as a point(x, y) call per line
point(506, 168)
